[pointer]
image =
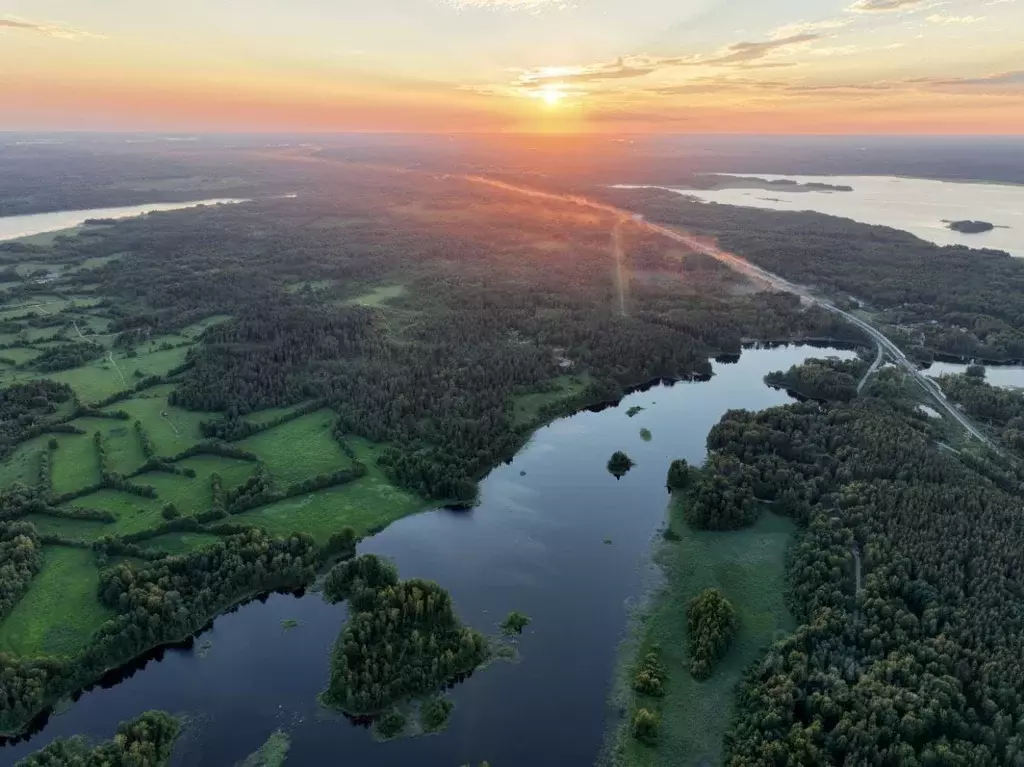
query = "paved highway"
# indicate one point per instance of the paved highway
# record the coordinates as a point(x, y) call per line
point(765, 277)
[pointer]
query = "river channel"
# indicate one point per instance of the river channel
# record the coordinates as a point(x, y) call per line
point(555, 536)
point(13, 227)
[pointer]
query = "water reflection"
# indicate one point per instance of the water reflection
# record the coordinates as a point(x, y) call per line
point(536, 543)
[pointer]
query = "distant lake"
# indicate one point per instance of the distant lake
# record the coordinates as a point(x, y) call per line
point(13, 227)
point(919, 206)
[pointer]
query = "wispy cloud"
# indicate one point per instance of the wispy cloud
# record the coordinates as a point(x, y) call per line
point(508, 5)
point(946, 18)
point(884, 6)
point(803, 27)
point(1000, 79)
point(50, 30)
point(743, 55)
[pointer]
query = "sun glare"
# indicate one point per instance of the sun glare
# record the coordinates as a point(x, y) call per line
point(551, 95)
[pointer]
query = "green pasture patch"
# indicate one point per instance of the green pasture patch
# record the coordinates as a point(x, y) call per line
point(379, 295)
point(527, 406)
point(72, 529)
point(170, 428)
point(61, 610)
point(75, 463)
point(180, 543)
point(299, 449)
point(748, 567)
point(23, 464)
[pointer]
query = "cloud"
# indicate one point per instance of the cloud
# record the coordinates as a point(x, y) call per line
point(746, 55)
point(945, 18)
point(1013, 78)
point(803, 27)
point(886, 6)
point(50, 30)
point(507, 5)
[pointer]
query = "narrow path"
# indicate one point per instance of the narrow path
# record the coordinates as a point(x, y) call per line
point(871, 370)
point(620, 275)
point(170, 423)
point(110, 359)
point(767, 278)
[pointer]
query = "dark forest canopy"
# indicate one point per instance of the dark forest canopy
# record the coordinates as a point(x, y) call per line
point(970, 227)
point(402, 638)
point(976, 297)
point(822, 379)
point(920, 666)
point(26, 409)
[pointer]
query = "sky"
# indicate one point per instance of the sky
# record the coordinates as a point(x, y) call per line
point(560, 66)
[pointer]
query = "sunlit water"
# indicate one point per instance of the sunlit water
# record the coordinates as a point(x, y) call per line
point(13, 227)
point(918, 206)
point(536, 543)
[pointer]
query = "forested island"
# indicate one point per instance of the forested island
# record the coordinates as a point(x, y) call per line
point(970, 227)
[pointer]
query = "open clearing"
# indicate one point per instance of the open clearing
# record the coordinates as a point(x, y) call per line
point(60, 612)
point(748, 566)
point(299, 449)
point(368, 504)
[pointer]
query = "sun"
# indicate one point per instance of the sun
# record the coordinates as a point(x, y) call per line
point(552, 95)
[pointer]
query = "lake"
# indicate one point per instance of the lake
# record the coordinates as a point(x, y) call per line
point(535, 543)
point(915, 205)
point(13, 227)
point(997, 375)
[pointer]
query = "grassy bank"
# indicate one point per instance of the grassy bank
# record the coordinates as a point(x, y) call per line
point(748, 566)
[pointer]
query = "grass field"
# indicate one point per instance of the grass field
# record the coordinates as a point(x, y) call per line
point(190, 495)
point(748, 566)
point(379, 295)
point(73, 529)
point(180, 543)
point(75, 464)
point(299, 449)
point(526, 406)
point(171, 429)
point(367, 503)
point(23, 464)
point(60, 612)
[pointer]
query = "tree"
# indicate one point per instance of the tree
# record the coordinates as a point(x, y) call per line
point(646, 725)
point(711, 624)
point(678, 474)
point(619, 463)
point(170, 511)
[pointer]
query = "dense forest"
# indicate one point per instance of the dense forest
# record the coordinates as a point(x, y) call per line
point(821, 379)
point(962, 301)
point(1001, 408)
point(146, 741)
point(26, 409)
point(21, 558)
point(918, 663)
point(402, 638)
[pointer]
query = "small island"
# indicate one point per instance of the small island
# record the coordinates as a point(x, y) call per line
point(402, 641)
point(515, 622)
point(619, 464)
point(970, 227)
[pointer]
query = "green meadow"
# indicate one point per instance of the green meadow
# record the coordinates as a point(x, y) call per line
point(748, 566)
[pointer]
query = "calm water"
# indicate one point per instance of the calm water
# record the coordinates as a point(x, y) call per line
point(535, 543)
point(915, 205)
point(12, 227)
point(997, 375)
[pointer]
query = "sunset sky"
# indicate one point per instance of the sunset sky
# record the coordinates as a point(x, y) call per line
point(668, 66)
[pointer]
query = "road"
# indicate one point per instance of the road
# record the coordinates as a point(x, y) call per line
point(872, 369)
point(741, 265)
